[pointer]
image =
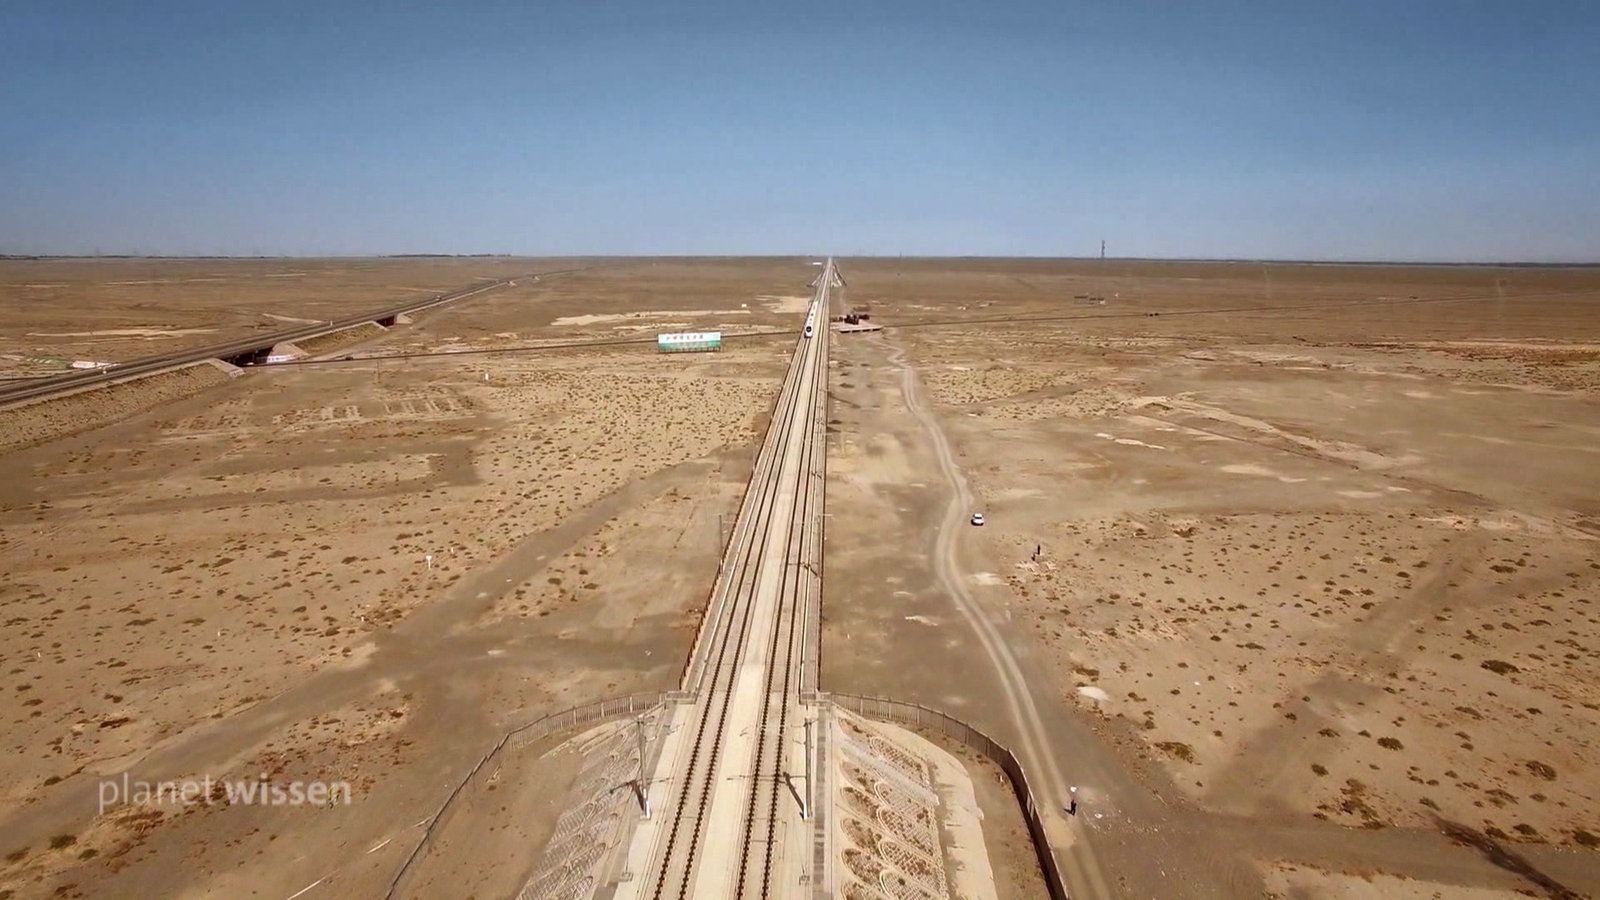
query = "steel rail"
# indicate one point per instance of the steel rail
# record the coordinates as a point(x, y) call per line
point(736, 613)
point(780, 690)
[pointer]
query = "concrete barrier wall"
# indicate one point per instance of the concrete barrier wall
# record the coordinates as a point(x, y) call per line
point(933, 720)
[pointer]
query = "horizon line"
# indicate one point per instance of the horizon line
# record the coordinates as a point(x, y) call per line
point(1212, 260)
point(1325, 261)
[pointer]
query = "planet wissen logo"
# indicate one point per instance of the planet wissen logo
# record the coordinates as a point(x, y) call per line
point(208, 791)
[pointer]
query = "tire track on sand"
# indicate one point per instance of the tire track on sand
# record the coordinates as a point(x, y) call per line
point(1083, 873)
point(1142, 830)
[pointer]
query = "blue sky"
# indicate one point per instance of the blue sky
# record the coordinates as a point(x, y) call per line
point(1406, 129)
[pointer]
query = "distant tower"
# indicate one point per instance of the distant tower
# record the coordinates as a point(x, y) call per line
point(1102, 248)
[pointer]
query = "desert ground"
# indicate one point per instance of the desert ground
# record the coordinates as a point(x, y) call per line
point(1312, 612)
point(106, 310)
point(1307, 554)
point(364, 571)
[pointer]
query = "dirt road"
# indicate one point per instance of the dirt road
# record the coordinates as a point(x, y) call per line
point(1100, 783)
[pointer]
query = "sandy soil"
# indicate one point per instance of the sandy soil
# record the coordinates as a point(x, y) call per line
point(53, 311)
point(1316, 576)
point(1326, 555)
point(27, 424)
point(240, 582)
point(1294, 882)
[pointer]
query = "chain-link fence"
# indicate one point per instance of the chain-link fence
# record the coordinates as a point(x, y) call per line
point(590, 714)
point(936, 721)
point(555, 723)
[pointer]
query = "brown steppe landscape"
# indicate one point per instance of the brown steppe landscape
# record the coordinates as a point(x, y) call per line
point(106, 310)
point(1316, 546)
point(240, 582)
point(1317, 550)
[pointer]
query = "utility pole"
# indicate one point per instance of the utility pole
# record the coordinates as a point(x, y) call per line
point(642, 786)
point(807, 800)
point(1102, 249)
point(814, 564)
point(719, 543)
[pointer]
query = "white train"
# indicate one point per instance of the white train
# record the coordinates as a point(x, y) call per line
point(811, 323)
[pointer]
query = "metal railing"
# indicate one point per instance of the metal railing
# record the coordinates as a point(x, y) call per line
point(949, 726)
point(537, 730)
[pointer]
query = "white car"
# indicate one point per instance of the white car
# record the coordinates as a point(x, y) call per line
point(977, 518)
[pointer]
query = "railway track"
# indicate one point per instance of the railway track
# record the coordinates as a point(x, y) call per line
point(724, 835)
point(782, 687)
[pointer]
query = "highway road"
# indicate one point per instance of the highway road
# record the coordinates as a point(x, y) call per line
point(38, 388)
point(729, 824)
